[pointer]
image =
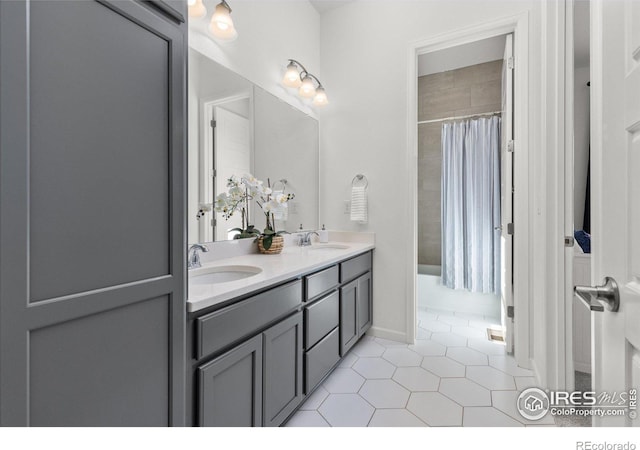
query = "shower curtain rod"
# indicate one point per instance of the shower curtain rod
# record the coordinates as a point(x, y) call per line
point(460, 117)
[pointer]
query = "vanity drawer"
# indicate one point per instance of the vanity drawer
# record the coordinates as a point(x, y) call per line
point(321, 359)
point(320, 318)
point(321, 282)
point(354, 267)
point(221, 328)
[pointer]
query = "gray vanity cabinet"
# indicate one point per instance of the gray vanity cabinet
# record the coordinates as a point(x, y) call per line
point(348, 316)
point(256, 383)
point(356, 309)
point(231, 387)
point(364, 301)
point(282, 370)
point(92, 213)
point(255, 358)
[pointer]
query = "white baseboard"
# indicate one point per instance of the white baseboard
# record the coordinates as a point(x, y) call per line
point(536, 374)
point(582, 367)
point(385, 333)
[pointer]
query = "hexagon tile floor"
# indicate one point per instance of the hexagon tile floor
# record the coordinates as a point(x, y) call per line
point(452, 376)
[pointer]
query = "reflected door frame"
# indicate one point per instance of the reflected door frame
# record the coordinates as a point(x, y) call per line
point(207, 159)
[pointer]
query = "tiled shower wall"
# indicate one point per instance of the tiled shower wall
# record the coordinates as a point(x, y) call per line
point(470, 90)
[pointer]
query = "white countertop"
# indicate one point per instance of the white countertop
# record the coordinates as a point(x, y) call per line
point(292, 262)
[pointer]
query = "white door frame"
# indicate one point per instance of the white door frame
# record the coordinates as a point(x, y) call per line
point(569, 121)
point(519, 26)
point(206, 113)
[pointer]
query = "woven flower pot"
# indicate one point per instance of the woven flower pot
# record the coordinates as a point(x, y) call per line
point(277, 244)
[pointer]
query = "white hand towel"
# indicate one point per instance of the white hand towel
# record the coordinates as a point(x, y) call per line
point(359, 204)
point(282, 212)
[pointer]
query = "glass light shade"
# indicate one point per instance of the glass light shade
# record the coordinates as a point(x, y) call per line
point(321, 97)
point(197, 9)
point(222, 25)
point(292, 76)
point(307, 89)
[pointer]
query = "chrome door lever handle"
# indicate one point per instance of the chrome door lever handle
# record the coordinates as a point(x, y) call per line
point(598, 298)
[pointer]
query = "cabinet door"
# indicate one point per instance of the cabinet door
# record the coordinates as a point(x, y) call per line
point(92, 151)
point(348, 316)
point(231, 387)
point(282, 383)
point(364, 304)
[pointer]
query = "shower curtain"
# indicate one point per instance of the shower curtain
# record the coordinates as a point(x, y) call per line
point(471, 205)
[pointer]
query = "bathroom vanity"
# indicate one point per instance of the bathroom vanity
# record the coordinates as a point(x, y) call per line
point(258, 346)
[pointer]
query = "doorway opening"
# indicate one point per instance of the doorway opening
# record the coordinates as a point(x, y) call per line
point(518, 333)
point(465, 193)
point(226, 151)
point(579, 264)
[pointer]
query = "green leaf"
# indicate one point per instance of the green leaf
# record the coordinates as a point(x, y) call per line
point(268, 232)
point(266, 242)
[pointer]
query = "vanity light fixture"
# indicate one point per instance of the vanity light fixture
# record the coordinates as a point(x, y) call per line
point(297, 76)
point(221, 25)
point(197, 9)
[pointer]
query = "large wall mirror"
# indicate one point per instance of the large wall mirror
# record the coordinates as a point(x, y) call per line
point(237, 128)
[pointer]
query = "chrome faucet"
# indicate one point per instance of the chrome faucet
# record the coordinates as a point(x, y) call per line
point(305, 239)
point(193, 257)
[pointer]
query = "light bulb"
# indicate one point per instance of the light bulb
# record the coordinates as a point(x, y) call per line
point(321, 97)
point(307, 89)
point(197, 9)
point(292, 76)
point(222, 25)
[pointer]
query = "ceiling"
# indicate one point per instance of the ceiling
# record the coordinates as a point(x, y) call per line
point(462, 56)
point(323, 6)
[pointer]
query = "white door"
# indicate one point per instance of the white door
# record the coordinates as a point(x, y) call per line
point(615, 125)
point(232, 157)
point(506, 189)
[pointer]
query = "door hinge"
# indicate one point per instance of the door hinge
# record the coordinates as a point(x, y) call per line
point(569, 241)
point(510, 64)
point(213, 123)
point(510, 228)
point(510, 146)
point(213, 222)
point(510, 312)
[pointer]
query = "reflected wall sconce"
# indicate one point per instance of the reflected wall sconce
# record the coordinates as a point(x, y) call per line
point(221, 26)
point(197, 10)
point(307, 84)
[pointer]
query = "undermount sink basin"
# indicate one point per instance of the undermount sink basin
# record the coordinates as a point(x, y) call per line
point(222, 274)
point(328, 247)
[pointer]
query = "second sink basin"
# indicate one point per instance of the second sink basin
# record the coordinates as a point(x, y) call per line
point(222, 274)
point(329, 247)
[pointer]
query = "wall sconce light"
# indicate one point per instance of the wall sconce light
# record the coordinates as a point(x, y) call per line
point(221, 25)
point(197, 9)
point(297, 76)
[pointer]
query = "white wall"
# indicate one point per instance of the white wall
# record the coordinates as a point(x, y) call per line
point(364, 52)
point(581, 142)
point(269, 33)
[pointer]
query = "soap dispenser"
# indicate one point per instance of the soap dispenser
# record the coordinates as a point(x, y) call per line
point(323, 235)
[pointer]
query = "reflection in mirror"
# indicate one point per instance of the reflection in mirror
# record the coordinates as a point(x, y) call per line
point(236, 128)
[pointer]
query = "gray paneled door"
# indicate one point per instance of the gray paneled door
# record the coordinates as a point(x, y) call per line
point(92, 265)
